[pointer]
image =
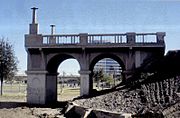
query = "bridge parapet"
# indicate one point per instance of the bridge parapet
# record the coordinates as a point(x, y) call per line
point(95, 39)
point(61, 39)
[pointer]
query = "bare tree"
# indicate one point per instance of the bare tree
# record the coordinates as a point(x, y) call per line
point(8, 62)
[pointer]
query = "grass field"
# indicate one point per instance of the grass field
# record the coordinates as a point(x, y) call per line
point(17, 92)
point(68, 93)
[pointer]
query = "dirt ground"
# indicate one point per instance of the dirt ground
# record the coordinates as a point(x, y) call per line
point(13, 103)
point(16, 107)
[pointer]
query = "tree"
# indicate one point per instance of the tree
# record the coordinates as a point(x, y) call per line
point(98, 76)
point(108, 79)
point(8, 62)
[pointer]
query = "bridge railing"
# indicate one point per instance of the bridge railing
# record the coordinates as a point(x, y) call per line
point(106, 38)
point(146, 38)
point(150, 37)
point(131, 37)
point(61, 39)
point(96, 39)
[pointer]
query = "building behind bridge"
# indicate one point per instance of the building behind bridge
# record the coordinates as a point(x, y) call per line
point(108, 66)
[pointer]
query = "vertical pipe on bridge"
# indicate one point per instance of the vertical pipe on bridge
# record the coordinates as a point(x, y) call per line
point(52, 29)
point(33, 26)
point(52, 39)
point(34, 20)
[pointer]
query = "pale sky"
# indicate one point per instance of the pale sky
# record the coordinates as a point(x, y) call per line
point(89, 16)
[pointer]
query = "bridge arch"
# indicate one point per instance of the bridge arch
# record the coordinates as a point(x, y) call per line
point(101, 56)
point(106, 55)
point(53, 63)
point(56, 60)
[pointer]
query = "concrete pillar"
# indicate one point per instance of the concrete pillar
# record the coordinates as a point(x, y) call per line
point(41, 87)
point(36, 87)
point(51, 88)
point(52, 40)
point(85, 85)
point(131, 37)
point(129, 64)
point(83, 38)
point(137, 59)
point(160, 37)
point(130, 60)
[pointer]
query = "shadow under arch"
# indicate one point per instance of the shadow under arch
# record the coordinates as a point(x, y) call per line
point(55, 61)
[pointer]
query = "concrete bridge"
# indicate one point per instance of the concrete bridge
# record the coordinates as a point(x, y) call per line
point(47, 52)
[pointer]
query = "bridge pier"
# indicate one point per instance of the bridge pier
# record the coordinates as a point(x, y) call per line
point(36, 87)
point(85, 82)
point(51, 88)
point(41, 87)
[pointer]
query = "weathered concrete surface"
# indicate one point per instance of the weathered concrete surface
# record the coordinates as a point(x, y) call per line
point(41, 88)
point(36, 87)
point(84, 81)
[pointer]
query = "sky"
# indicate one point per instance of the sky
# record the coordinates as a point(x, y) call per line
point(88, 16)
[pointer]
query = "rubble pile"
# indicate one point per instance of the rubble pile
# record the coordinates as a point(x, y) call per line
point(158, 94)
point(154, 97)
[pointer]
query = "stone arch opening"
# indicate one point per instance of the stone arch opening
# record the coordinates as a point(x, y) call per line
point(55, 61)
point(67, 84)
point(108, 68)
